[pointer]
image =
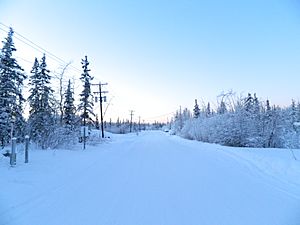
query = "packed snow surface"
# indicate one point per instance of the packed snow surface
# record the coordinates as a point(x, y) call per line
point(152, 179)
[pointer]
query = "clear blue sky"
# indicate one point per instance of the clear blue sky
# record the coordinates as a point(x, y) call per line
point(157, 55)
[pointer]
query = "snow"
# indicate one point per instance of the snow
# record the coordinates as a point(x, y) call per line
point(151, 179)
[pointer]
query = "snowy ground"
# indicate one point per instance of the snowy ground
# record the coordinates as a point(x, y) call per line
point(152, 179)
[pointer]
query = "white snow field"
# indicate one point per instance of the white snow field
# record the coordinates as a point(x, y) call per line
point(152, 179)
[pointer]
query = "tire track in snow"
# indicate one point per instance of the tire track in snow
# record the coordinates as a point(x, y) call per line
point(273, 181)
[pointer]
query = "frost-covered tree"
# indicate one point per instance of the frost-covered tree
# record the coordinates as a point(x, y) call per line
point(248, 124)
point(208, 110)
point(268, 107)
point(86, 104)
point(181, 117)
point(222, 109)
point(248, 103)
point(11, 99)
point(251, 122)
point(186, 115)
point(69, 117)
point(41, 115)
point(298, 112)
point(293, 112)
point(196, 110)
point(35, 88)
point(256, 104)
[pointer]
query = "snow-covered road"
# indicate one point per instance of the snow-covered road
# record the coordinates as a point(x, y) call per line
point(150, 179)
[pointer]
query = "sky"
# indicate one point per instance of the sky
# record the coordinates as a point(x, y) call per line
point(159, 55)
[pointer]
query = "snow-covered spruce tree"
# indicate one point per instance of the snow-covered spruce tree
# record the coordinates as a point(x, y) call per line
point(86, 105)
point(266, 120)
point(288, 130)
point(208, 111)
point(41, 119)
point(35, 90)
point(298, 112)
point(196, 110)
point(293, 112)
point(243, 117)
point(255, 124)
point(69, 118)
point(222, 109)
point(11, 99)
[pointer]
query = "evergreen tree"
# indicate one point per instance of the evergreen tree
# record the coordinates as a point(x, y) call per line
point(118, 123)
point(208, 110)
point(196, 110)
point(36, 89)
point(47, 92)
point(222, 108)
point(268, 107)
point(69, 108)
point(298, 112)
point(86, 105)
point(11, 98)
point(293, 112)
point(256, 105)
point(41, 118)
point(248, 103)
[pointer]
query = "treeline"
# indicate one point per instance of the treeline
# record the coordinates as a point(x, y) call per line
point(125, 126)
point(51, 122)
point(241, 122)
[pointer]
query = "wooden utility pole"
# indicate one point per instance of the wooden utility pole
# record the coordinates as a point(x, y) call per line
point(100, 92)
point(131, 114)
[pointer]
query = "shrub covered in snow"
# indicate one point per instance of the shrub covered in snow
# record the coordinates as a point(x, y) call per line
point(250, 123)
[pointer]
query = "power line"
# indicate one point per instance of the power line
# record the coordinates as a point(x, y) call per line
point(25, 60)
point(31, 42)
point(37, 47)
point(49, 56)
